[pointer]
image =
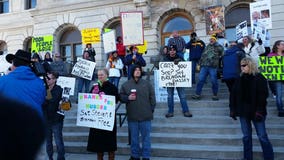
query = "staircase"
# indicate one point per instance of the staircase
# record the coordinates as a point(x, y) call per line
point(210, 133)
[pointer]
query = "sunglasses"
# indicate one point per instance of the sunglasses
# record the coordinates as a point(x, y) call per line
point(243, 65)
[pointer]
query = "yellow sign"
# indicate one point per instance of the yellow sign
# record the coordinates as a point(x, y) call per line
point(272, 68)
point(91, 35)
point(143, 48)
point(42, 44)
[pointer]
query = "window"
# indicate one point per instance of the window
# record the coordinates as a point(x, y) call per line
point(4, 6)
point(177, 22)
point(70, 45)
point(30, 4)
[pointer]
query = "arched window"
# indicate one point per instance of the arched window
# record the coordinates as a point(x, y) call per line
point(179, 22)
point(71, 45)
point(232, 18)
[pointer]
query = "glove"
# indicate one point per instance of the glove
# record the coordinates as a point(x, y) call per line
point(258, 116)
point(233, 116)
point(176, 61)
point(259, 41)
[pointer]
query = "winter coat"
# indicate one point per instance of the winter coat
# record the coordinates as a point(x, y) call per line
point(195, 49)
point(103, 140)
point(211, 55)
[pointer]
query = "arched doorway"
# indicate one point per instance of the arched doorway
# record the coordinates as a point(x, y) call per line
point(232, 18)
point(179, 21)
point(27, 46)
point(3, 47)
point(70, 45)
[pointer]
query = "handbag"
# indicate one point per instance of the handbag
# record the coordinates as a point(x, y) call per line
point(65, 104)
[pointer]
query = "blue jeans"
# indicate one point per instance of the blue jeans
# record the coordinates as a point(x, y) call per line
point(262, 136)
point(114, 81)
point(56, 130)
point(143, 128)
point(278, 87)
point(193, 66)
point(204, 72)
point(182, 98)
point(83, 83)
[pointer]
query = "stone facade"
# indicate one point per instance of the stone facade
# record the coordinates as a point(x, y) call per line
point(52, 17)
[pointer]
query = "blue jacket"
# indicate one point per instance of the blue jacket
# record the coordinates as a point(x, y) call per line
point(24, 86)
point(231, 62)
point(195, 49)
point(131, 63)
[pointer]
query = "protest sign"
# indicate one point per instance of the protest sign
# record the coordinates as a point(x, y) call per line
point(241, 30)
point(142, 48)
point(260, 12)
point(84, 68)
point(96, 111)
point(161, 92)
point(109, 41)
point(91, 35)
point(68, 85)
point(272, 68)
point(215, 21)
point(132, 28)
point(259, 31)
point(42, 44)
point(175, 75)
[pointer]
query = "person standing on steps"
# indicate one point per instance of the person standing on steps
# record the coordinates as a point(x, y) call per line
point(249, 100)
point(173, 57)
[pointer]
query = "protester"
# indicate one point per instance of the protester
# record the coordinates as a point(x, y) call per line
point(249, 102)
point(54, 117)
point(114, 66)
point(173, 57)
point(231, 64)
point(278, 50)
point(178, 41)
point(58, 65)
point(139, 96)
point(82, 82)
point(132, 59)
point(91, 51)
point(22, 130)
point(121, 51)
point(209, 63)
point(47, 57)
point(21, 84)
point(101, 141)
point(196, 47)
point(253, 49)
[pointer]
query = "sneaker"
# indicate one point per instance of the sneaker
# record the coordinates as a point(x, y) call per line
point(196, 96)
point(215, 98)
point(187, 114)
point(274, 96)
point(132, 158)
point(168, 115)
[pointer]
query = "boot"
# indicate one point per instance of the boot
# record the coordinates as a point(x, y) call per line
point(111, 155)
point(100, 155)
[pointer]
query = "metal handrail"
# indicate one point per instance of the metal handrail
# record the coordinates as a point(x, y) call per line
point(121, 120)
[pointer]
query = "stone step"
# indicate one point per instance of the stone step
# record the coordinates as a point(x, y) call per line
point(184, 150)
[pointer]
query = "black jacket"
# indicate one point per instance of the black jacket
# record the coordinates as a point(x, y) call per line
point(249, 96)
point(50, 107)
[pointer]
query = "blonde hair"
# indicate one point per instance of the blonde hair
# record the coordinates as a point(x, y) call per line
point(251, 65)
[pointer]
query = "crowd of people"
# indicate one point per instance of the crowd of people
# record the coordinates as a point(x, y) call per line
point(248, 90)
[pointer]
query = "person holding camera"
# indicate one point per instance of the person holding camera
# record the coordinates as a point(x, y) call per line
point(248, 102)
point(54, 117)
point(22, 84)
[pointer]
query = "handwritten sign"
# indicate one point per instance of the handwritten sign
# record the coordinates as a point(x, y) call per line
point(172, 75)
point(91, 35)
point(161, 92)
point(272, 68)
point(109, 41)
point(84, 68)
point(132, 28)
point(96, 111)
point(68, 85)
point(42, 44)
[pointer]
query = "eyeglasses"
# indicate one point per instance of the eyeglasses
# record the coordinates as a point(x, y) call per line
point(243, 65)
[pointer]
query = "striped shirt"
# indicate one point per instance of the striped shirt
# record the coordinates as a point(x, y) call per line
point(178, 41)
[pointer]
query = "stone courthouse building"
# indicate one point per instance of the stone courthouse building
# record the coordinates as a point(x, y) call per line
point(20, 20)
